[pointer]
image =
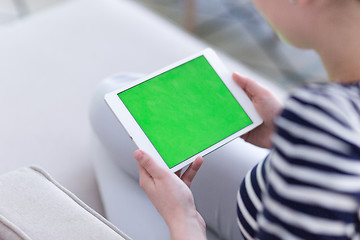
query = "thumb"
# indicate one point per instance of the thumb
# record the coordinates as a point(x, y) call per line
point(149, 164)
point(250, 87)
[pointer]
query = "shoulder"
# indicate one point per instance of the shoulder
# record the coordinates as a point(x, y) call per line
point(325, 102)
point(316, 113)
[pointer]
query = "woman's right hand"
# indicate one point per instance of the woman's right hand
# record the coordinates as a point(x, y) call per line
point(268, 107)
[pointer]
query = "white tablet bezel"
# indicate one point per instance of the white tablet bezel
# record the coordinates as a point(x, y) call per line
point(141, 140)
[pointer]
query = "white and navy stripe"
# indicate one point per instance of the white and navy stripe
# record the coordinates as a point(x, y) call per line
point(309, 186)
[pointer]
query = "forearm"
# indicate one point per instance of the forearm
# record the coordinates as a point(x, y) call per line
point(191, 228)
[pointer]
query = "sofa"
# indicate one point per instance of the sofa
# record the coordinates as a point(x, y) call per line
point(53, 66)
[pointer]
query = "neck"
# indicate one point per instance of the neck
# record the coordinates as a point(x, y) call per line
point(342, 63)
point(339, 49)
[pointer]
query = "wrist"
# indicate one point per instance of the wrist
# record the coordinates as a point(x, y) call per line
point(191, 227)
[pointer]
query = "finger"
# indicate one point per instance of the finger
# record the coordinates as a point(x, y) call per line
point(149, 164)
point(190, 173)
point(145, 180)
point(245, 136)
point(178, 173)
point(250, 87)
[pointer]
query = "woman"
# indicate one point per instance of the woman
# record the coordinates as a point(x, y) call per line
point(309, 186)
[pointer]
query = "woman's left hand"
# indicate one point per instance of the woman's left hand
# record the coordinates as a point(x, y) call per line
point(170, 193)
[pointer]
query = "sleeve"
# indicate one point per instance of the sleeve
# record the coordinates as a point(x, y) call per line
point(249, 199)
point(313, 188)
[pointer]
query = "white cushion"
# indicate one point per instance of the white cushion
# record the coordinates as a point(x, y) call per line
point(34, 206)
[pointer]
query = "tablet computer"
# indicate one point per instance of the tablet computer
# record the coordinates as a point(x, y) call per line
point(185, 110)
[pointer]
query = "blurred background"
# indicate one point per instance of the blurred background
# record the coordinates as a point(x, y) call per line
point(230, 25)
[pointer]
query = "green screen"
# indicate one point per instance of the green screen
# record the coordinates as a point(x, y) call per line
point(185, 110)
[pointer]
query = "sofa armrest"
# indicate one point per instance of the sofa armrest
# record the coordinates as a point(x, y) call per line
point(34, 206)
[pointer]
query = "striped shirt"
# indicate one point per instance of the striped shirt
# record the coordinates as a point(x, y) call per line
point(309, 185)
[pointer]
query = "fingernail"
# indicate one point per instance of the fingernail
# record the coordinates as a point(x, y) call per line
point(138, 154)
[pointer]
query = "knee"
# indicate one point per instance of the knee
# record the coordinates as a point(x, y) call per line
point(106, 127)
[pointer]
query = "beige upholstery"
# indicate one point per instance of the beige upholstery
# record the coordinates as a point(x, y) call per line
point(34, 206)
